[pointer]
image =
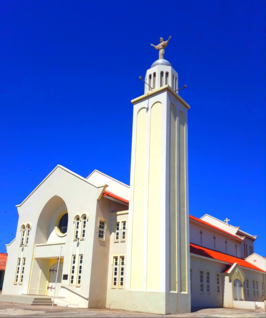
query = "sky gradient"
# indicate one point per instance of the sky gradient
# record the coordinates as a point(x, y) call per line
point(69, 70)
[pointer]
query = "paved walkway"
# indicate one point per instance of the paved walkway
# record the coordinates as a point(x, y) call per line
point(20, 310)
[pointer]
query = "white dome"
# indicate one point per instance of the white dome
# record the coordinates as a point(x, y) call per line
point(161, 62)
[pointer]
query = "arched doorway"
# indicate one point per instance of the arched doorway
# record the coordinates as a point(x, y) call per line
point(238, 290)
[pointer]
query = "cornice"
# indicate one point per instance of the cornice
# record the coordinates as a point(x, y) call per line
point(158, 90)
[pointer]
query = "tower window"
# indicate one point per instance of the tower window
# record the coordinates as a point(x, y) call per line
point(173, 81)
point(201, 237)
point(214, 242)
point(161, 79)
point(225, 246)
point(149, 82)
point(236, 249)
point(166, 78)
point(154, 80)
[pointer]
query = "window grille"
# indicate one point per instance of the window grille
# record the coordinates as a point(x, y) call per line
point(102, 226)
point(115, 271)
point(124, 226)
point(201, 282)
point(218, 283)
point(22, 270)
point(122, 271)
point(72, 272)
point(84, 224)
point(117, 231)
point(80, 270)
point(17, 271)
point(208, 282)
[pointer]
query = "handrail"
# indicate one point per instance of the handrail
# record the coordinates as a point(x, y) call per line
point(74, 292)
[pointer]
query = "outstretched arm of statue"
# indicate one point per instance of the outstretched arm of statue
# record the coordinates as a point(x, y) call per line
point(168, 39)
point(153, 45)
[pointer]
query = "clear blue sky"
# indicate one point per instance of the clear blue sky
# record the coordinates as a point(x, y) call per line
point(69, 70)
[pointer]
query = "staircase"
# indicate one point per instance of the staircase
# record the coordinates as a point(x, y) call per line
point(42, 301)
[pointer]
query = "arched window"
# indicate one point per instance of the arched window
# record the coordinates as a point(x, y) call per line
point(149, 82)
point(83, 226)
point(161, 79)
point(154, 79)
point(77, 226)
point(28, 228)
point(166, 78)
point(23, 233)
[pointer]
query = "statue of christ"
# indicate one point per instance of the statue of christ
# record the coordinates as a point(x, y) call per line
point(163, 44)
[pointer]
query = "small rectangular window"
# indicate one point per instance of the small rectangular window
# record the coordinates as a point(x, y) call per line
point(72, 270)
point(218, 283)
point(115, 271)
point(257, 288)
point(208, 282)
point(84, 224)
point(247, 287)
point(22, 270)
point(253, 285)
point(22, 237)
point(76, 233)
point(117, 231)
point(124, 227)
point(236, 249)
point(102, 229)
point(201, 282)
point(17, 271)
point(154, 80)
point(122, 271)
point(262, 288)
point(28, 235)
point(149, 82)
point(80, 270)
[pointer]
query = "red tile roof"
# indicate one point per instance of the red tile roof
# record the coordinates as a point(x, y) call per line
point(3, 259)
point(114, 196)
point(206, 252)
point(215, 228)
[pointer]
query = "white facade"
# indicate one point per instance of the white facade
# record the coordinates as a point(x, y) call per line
point(134, 248)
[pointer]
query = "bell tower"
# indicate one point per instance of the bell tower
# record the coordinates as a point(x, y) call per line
point(158, 259)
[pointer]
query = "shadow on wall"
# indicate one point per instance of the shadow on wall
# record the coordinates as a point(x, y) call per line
point(47, 218)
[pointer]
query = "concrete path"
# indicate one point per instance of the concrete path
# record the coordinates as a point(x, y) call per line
point(20, 310)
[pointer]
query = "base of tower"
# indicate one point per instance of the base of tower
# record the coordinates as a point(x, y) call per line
point(148, 301)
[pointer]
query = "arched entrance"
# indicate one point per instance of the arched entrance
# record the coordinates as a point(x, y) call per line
point(238, 290)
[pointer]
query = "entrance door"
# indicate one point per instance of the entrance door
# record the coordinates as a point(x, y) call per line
point(237, 290)
point(52, 277)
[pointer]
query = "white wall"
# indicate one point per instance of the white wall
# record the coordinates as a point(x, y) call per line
point(206, 300)
point(115, 186)
point(208, 241)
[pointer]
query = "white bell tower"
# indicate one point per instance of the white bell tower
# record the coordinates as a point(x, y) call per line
point(158, 257)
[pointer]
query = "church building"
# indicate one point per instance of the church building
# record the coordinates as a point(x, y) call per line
point(95, 242)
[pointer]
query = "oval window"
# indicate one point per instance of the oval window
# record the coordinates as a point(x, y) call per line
point(62, 226)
